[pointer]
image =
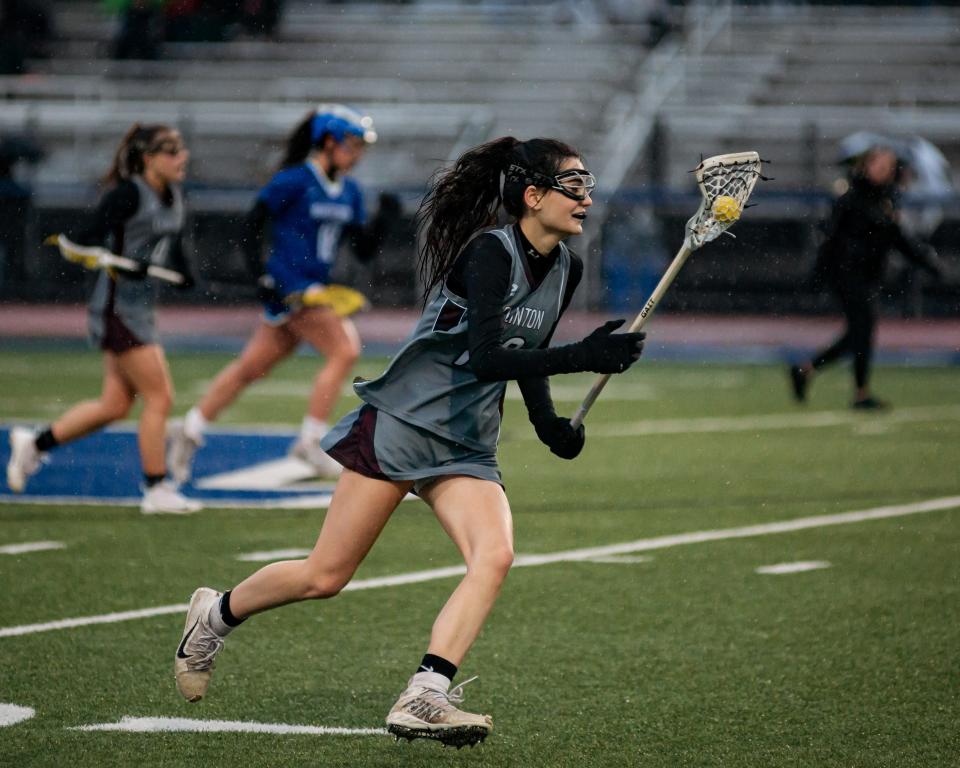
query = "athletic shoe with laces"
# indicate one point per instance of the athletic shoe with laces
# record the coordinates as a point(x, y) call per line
point(181, 448)
point(799, 380)
point(25, 459)
point(164, 499)
point(311, 453)
point(199, 646)
point(427, 711)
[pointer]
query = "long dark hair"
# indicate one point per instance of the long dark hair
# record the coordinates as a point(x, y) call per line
point(462, 200)
point(138, 141)
point(299, 143)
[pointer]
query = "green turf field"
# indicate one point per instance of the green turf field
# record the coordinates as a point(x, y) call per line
point(669, 656)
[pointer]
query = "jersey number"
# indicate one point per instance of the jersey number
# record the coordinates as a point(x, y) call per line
point(517, 342)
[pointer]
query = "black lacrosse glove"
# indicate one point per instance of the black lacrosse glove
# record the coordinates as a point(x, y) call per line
point(605, 352)
point(267, 290)
point(559, 436)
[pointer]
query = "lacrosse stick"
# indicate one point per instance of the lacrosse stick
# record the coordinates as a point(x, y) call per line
point(725, 182)
point(94, 257)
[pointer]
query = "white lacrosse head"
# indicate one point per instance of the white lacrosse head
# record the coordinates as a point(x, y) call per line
point(726, 182)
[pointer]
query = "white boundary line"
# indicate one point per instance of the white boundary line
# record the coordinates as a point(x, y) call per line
point(31, 546)
point(762, 422)
point(801, 566)
point(570, 555)
point(184, 724)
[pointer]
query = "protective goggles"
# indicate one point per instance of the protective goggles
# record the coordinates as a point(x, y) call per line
point(576, 183)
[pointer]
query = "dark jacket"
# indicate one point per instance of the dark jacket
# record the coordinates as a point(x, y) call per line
point(862, 229)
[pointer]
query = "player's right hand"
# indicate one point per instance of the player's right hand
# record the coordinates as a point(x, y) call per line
point(267, 290)
point(605, 352)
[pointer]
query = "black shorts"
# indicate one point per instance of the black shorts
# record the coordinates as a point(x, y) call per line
point(376, 444)
point(117, 338)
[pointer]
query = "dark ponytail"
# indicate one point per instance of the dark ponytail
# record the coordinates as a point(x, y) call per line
point(299, 143)
point(466, 198)
point(128, 159)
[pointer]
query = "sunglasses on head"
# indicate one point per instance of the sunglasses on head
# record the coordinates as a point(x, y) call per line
point(576, 183)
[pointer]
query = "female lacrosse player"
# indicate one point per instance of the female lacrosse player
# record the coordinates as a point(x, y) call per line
point(140, 217)
point(430, 424)
point(310, 206)
point(863, 229)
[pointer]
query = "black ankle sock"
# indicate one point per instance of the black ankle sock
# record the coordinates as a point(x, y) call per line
point(226, 614)
point(45, 440)
point(152, 480)
point(439, 665)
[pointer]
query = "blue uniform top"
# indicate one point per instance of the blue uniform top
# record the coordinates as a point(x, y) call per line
point(308, 212)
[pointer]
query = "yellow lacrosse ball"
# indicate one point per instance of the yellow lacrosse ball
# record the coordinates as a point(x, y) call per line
point(725, 209)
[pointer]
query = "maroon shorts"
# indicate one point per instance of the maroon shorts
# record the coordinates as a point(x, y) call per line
point(355, 451)
point(117, 338)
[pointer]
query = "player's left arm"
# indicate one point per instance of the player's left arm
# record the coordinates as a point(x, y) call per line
point(552, 430)
point(180, 263)
point(919, 253)
point(366, 239)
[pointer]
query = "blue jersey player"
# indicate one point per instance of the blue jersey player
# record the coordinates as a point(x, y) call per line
point(310, 207)
point(430, 423)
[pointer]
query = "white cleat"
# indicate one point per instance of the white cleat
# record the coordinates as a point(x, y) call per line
point(181, 448)
point(164, 499)
point(311, 453)
point(25, 459)
point(428, 712)
point(199, 646)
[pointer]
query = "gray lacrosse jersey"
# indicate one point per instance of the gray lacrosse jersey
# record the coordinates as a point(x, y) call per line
point(148, 236)
point(430, 383)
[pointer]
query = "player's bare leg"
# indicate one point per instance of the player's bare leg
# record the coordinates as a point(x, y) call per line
point(337, 340)
point(476, 515)
point(267, 347)
point(358, 511)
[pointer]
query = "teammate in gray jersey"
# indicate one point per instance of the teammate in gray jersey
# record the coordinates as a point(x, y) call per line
point(139, 217)
point(431, 422)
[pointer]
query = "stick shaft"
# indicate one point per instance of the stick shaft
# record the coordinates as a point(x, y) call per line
point(638, 323)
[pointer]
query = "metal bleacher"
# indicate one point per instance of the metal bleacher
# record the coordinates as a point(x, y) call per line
point(435, 77)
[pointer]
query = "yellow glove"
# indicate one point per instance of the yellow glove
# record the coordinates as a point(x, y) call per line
point(342, 300)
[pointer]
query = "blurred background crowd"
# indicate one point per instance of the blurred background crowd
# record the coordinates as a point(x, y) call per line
point(643, 88)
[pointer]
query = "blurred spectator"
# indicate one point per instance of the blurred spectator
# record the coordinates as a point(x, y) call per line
point(25, 31)
point(863, 228)
point(259, 18)
point(138, 36)
point(15, 206)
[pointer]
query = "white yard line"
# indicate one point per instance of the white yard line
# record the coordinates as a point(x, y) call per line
point(799, 567)
point(570, 555)
point(765, 422)
point(31, 546)
point(11, 714)
point(183, 724)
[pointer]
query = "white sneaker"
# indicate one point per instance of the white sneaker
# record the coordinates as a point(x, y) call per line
point(425, 711)
point(310, 452)
point(164, 499)
point(199, 646)
point(25, 459)
point(180, 450)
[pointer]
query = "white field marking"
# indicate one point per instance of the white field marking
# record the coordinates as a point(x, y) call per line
point(274, 554)
point(11, 714)
point(84, 621)
point(183, 724)
point(569, 393)
point(265, 476)
point(620, 559)
point(321, 501)
point(761, 422)
point(31, 546)
point(637, 390)
point(798, 567)
point(570, 555)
